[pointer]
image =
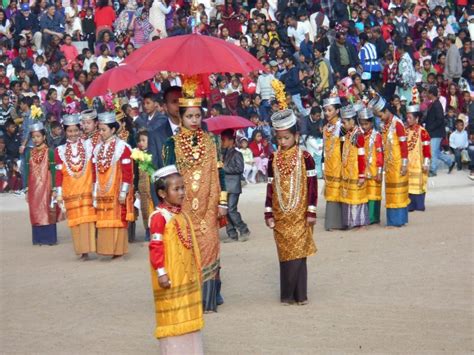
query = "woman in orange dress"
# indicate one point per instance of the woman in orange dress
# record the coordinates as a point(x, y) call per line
point(113, 190)
point(74, 175)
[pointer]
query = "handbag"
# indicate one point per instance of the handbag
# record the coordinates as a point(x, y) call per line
point(465, 156)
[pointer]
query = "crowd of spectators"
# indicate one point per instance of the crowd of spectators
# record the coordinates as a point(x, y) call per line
point(50, 51)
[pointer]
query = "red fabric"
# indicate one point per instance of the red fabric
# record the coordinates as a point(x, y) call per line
point(460, 101)
point(390, 73)
point(425, 137)
point(312, 183)
point(360, 143)
point(70, 52)
point(249, 85)
point(59, 172)
point(379, 150)
point(257, 152)
point(156, 247)
point(269, 196)
point(209, 54)
point(400, 129)
point(104, 16)
point(387, 32)
point(127, 169)
point(117, 79)
point(218, 124)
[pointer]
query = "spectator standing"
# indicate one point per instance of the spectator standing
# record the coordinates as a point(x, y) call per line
point(435, 125)
point(453, 67)
point(233, 168)
point(151, 118)
point(104, 16)
point(369, 60)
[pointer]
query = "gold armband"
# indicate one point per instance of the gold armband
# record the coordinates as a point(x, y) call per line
point(223, 198)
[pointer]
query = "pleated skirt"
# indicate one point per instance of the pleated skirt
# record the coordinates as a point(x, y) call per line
point(84, 238)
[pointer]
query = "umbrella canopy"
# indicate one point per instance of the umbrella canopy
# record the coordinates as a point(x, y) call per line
point(117, 79)
point(218, 124)
point(193, 54)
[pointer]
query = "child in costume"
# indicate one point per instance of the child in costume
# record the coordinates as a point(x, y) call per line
point(176, 268)
point(40, 175)
point(290, 207)
point(419, 158)
point(374, 163)
point(355, 212)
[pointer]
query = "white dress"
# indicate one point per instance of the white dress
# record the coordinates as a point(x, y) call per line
point(158, 12)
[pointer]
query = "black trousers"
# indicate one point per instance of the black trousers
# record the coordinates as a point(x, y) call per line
point(234, 218)
point(293, 281)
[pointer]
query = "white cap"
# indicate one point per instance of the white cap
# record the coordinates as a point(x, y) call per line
point(35, 127)
point(89, 115)
point(413, 109)
point(331, 101)
point(164, 172)
point(71, 120)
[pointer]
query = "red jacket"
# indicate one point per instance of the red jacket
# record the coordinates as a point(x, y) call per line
point(258, 151)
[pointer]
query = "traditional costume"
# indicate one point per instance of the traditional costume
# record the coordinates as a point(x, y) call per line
point(40, 180)
point(374, 166)
point(174, 252)
point(291, 198)
point(113, 179)
point(355, 212)
point(74, 176)
point(332, 169)
point(195, 153)
point(419, 156)
point(395, 157)
point(142, 185)
point(93, 137)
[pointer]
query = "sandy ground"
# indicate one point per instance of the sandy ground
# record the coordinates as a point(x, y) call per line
point(408, 290)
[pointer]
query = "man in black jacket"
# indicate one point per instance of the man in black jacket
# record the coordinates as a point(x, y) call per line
point(435, 125)
point(342, 56)
point(27, 23)
point(341, 11)
point(233, 168)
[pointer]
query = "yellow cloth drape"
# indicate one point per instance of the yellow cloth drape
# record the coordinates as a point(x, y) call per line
point(396, 185)
point(374, 188)
point(350, 192)
point(293, 236)
point(179, 309)
point(416, 177)
point(332, 167)
point(77, 195)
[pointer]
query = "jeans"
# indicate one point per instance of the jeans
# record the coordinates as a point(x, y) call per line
point(457, 158)
point(436, 154)
point(234, 219)
point(299, 104)
point(264, 110)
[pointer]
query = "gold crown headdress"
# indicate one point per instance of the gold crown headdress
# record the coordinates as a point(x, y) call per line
point(189, 98)
point(280, 94)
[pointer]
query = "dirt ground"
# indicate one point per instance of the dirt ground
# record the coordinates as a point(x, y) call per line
point(406, 291)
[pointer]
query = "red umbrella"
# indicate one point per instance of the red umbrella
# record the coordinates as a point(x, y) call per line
point(193, 54)
point(117, 79)
point(218, 124)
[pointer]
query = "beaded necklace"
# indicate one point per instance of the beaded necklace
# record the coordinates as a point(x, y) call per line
point(75, 163)
point(413, 137)
point(187, 240)
point(37, 154)
point(295, 181)
point(190, 147)
point(104, 158)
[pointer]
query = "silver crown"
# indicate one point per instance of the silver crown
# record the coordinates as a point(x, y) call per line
point(35, 127)
point(366, 114)
point(348, 111)
point(377, 103)
point(107, 117)
point(89, 115)
point(358, 106)
point(331, 101)
point(413, 109)
point(284, 119)
point(71, 120)
point(164, 172)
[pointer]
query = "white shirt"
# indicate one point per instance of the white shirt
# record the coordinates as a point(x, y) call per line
point(312, 21)
point(458, 140)
point(298, 33)
point(41, 71)
point(174, 127)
